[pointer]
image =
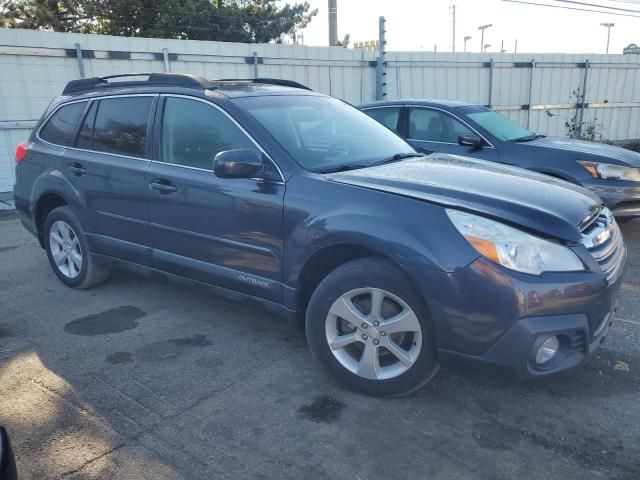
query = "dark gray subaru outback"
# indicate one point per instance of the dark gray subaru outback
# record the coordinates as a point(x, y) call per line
point(270, 193)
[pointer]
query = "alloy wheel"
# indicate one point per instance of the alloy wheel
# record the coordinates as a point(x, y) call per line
point(65, 249)
point(373, 333)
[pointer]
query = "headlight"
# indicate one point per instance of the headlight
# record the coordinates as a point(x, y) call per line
point(514, 248)
point(609, 171)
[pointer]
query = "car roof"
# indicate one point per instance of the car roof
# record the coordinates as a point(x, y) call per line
point(170, 82)
point(424, 102)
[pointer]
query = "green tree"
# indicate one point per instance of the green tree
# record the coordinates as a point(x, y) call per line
point(224, 20)
point(59, 16)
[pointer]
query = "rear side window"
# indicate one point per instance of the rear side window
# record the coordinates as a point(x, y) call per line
point(121, 125)
point(387, 116)
point(194, 132)
point(61, 127)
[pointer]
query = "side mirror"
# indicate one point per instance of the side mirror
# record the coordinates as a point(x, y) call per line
point(473, 141)
point(237, 164)
point(8, 469)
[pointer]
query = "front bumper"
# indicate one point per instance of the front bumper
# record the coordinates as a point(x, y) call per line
point(622, 197)
point(487, 313)
point(516, 349)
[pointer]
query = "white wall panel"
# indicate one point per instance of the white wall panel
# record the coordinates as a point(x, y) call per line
point(35, 66)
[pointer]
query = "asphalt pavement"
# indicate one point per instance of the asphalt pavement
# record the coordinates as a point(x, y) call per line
point(140, 379)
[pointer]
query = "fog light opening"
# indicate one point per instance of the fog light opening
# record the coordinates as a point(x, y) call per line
point(547, 350)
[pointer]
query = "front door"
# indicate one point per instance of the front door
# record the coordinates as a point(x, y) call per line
point(222, 231)
point(434, 130)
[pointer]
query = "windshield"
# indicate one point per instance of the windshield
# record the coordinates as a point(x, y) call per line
point(498, 125)
point(324, 133)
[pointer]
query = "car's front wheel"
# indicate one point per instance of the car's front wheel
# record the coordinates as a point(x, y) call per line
point(371, 330)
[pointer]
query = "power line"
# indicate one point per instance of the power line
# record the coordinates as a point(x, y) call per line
point(598, 6)
point(571, 8)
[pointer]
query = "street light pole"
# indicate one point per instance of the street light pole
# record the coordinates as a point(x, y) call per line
point(486, 46)
point(333, 23)
point(482, 28)
point(453, 11)
point(466, 39)
point(608, 25)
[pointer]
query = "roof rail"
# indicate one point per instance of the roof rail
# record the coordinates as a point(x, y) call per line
point(266, 81)
point(153, 79)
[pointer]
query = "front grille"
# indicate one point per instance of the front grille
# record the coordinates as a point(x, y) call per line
point(603, 239)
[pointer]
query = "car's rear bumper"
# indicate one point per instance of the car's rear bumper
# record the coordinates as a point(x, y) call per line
point(489, 314)
point(23, 209)
point(622, 198)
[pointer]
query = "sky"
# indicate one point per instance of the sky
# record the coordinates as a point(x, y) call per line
point(421, 24)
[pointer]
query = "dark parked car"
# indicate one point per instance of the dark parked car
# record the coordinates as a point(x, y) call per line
point(610, 172)
point(274, 194)
point(8, 469)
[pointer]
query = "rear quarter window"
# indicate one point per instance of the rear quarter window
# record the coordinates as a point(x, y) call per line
point(61, 127)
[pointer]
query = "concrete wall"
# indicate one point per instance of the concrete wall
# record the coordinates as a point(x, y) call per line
point(35, 66)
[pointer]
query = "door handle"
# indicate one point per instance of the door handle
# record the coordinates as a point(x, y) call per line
point(163, 187)
point(77, 169)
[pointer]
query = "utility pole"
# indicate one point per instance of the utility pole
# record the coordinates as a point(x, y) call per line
point(466, 39)
point(453, 12)
point(608, 25)
point(502, 50)
point(333, 23)
point(381, 65)
point(515, 48)
point(482, 28)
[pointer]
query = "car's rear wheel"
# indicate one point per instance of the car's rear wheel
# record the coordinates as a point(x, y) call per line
point(371, 330)
point(68, 251)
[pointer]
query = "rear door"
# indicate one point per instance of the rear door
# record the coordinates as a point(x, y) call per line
point(435, 130)
point(108, 167)
point(219, 230)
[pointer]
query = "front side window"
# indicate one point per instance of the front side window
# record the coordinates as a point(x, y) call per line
point(323, 133)
point(435, 126)
point(387, 116)
point(193, 133)
point(121, 125)
point(498, 125)
point(61, 127)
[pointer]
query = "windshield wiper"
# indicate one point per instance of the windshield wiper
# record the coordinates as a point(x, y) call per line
point(354, 166)
point(344, 168)
point(527, 138)
point(397, 157)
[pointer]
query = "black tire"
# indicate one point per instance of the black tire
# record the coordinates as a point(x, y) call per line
point(377, 274)
point(93, 270)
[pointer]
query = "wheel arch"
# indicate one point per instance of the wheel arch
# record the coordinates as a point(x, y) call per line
point(52, 189)
point(46, 203)
point(326, 259)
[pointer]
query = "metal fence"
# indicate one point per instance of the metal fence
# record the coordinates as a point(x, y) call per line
point(35, 66)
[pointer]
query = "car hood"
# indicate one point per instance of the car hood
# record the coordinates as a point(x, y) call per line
point(586, 150)
point(536, 202)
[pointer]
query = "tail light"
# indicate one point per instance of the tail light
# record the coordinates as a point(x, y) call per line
point(21, 152)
